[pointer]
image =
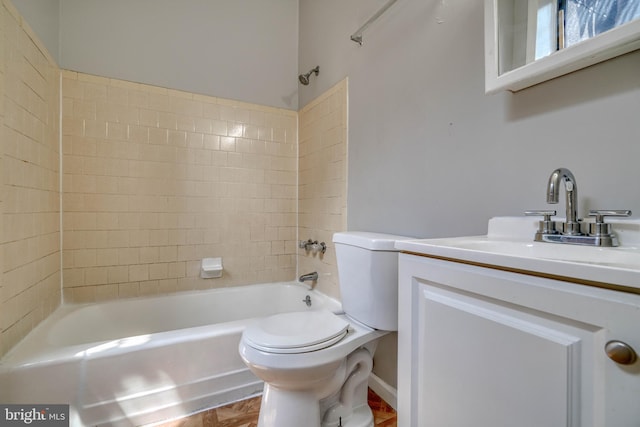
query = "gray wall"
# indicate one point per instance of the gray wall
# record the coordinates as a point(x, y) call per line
point(238, 49)
point(430, 154)
point(43, 17)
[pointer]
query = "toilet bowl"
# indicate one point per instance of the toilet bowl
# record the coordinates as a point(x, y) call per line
point(296, 383)
point(315, 364)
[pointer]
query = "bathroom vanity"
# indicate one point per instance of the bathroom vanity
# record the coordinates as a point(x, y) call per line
point(498, 331)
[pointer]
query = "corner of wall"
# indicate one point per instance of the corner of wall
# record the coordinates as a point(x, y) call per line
point(30, 205)
point(322, 182)
point(3, 346)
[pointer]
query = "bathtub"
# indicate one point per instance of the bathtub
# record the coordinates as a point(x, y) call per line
point(146, 360)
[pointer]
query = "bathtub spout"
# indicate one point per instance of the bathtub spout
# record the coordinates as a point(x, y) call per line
point(311, 277)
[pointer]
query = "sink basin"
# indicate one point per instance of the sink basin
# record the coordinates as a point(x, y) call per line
point(613, 257)
point(509, 244)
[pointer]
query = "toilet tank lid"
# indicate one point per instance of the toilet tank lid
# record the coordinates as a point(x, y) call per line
point(369, 240)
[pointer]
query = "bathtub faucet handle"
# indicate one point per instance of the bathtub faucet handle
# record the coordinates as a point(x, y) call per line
point(307, 300)
point(313, 246)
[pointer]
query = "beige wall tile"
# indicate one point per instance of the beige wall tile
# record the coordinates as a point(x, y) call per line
point(153, 181)
point(29, 157)
point(156, 186)
point(322, 182)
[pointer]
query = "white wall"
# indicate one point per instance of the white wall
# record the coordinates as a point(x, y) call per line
point(238, 49)
point(430, 154)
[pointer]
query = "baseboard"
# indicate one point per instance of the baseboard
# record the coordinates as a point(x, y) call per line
point(388, 393)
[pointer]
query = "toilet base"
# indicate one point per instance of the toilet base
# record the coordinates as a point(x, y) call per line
point(361, 417)
point(283, 408)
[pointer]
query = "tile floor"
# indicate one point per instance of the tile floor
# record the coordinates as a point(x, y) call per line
point(245, 414)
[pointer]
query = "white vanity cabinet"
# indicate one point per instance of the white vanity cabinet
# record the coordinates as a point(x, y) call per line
point(486, 347)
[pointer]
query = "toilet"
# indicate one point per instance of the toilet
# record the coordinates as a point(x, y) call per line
point(315, 364)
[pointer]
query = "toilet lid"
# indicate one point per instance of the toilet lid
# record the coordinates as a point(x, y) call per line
point(296, 332)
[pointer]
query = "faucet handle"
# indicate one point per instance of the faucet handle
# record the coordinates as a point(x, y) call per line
point(600, 228)
point(547, 214)
point(601, 214)
point(546, 226)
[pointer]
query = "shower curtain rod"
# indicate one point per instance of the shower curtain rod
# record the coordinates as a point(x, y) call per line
point(357, 36)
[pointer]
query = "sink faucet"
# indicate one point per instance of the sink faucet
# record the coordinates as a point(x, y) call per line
point(572, 226)
point(309, 277)
point(573, 231)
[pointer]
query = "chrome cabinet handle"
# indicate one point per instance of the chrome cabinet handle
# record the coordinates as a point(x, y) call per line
point(620, 352)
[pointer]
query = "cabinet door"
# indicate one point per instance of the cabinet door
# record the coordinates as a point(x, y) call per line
point(488, 348)
point(488, 364)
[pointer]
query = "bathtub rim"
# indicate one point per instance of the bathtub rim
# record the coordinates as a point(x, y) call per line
point(30, 352)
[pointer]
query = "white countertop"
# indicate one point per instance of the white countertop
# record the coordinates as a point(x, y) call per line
point(509, 244)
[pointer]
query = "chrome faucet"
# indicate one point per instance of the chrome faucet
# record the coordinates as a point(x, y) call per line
point(312, 277)
point(597, 233)
point(572, 226)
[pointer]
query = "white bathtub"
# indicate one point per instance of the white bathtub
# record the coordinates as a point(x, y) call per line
point(145, 360)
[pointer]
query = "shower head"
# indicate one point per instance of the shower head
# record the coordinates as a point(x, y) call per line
point(304, 78)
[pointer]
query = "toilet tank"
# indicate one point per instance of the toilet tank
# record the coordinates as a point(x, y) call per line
point(368, 276)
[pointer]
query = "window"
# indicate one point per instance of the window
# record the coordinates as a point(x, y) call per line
point(531, 41)
point(587, 18)
point(556, 24)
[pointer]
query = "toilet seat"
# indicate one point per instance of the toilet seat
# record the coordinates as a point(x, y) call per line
point(296, 332)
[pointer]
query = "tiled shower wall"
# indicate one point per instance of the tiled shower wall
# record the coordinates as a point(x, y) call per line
point(30, 198)
point(153, 181)
point(157, 179)
point(322, 205)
